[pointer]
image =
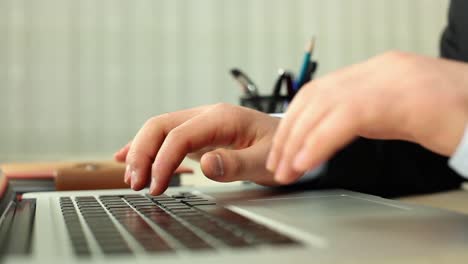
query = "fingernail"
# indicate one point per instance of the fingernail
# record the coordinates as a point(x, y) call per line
point(270, 165)
point(127, 174)
point(218, 168)
point(280, 172)
point(300, 160)
point(134, 176)
point(153, 186)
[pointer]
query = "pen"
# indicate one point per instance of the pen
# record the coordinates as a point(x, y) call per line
point(311, 68)
point(289, 85)
point(246, 83)
point(302, 74)
point(276, 91)
point(279, 82)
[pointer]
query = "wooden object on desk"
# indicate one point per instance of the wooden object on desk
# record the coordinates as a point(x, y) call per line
point(89, 175)
point(456, 200)
point(33, 170)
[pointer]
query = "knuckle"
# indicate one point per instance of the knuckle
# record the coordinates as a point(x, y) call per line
point(161, 122)
point(395, 55)
point(235, 113)
point(227, 108)
point(179, 140)
point(174, 136)
point(397, 58)
point(155, 120)
point(222, 106)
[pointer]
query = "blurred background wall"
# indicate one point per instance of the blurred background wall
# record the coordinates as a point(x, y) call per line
point(79, 77)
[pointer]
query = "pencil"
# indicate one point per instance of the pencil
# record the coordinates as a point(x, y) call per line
point(301, 78)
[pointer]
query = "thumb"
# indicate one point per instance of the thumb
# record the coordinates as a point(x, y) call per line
point(226, 165)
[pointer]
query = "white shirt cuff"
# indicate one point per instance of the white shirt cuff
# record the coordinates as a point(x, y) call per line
point(459, 160)
point(280, 115)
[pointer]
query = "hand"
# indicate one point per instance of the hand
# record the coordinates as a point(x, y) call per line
point(392, 96)
point(231, 142)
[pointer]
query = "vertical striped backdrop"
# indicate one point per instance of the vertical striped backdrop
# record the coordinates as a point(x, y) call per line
point(79, 77)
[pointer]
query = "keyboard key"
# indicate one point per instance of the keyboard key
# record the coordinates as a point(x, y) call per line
point(190, 219)
point(200, 203)
point(103, 229)
point(150, 240)
point(74, 228)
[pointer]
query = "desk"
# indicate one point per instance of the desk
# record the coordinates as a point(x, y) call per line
point(456, 200)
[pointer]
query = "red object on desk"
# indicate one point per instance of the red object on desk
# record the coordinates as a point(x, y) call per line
point(32, 175)
point(74, 175)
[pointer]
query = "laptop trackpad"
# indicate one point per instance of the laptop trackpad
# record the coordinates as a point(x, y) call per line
point(313, 211)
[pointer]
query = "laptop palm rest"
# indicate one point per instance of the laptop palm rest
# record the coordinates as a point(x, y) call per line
point(348, 224)
point(307, 212)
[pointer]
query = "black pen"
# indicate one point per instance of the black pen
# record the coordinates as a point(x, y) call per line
point(279, 82)
point(289, 78)
point(311, 68)
point(276, 91)
point(246, 83)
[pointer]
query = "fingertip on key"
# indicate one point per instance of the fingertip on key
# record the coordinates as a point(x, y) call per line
point(153, 187)
point(271, 162)
point(127, 174)
point(134, 179)
point(301, 160)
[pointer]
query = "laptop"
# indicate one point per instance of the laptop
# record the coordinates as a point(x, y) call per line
point(232, 224)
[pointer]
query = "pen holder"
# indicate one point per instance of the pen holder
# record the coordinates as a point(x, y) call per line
point(266, 104)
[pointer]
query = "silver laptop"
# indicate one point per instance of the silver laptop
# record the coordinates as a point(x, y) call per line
point(242, 224)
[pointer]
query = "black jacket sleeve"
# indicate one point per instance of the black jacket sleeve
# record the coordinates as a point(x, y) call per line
point(388, 168)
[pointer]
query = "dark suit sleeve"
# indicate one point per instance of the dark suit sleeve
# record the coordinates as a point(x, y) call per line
point(388, 169)
point(454, 40)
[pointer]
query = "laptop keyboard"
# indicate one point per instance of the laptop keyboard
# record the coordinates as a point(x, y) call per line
point(160, 224)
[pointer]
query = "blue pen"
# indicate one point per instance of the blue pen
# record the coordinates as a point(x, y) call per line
point(301, 78)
